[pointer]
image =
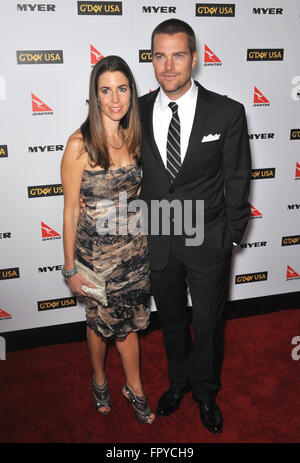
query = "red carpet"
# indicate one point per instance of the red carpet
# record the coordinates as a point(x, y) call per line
point(46, 392)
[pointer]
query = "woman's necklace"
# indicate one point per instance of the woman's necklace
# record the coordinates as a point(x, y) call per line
point(117, 147)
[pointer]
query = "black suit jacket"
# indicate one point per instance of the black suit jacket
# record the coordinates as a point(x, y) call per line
point(217, 172)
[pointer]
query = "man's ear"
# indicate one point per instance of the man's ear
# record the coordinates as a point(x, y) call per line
point(194, 59)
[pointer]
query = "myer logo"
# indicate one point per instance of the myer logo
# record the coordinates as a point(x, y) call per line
point(40, 57)
point(292, 207)
point(45, 149)
point(297, 171)
point(42, 191)
point(35, 7)
point(210, 59)
point(3, 151)
point(51, 268)
point(267, 10)
point(261, 136)
point(251, 277)
point(295, 134)
point(215, 9)
point(159, 9)
point(5, 235)
point(145, 56)
point(263, 173)
point(99, 8)
point(256, 244)
point(265, 54)
point(61, 303)
point(9, 273)
point(290, 240)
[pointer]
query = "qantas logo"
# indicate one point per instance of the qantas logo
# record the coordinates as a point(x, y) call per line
point(95, 55)
point(4, 315)
point(210, 59)
point(297, 172)
point(39, 107)
point(291, 274)
point(259, 99)
point(255, 214)
point(48, 233)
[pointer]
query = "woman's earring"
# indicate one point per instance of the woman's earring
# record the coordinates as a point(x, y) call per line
point(98, 102)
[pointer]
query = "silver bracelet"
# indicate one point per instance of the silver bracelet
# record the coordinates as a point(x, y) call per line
point(69, 273)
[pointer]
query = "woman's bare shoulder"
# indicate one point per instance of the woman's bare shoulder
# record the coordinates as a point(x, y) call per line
point(75, 140)
point(75, 149)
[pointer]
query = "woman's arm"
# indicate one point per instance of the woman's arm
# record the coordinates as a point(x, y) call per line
point(72, 167)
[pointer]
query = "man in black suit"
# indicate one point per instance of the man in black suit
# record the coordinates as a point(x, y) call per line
point(195, 148)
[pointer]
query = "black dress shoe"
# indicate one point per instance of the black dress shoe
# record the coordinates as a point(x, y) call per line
point(170, 400)
point(211, 416)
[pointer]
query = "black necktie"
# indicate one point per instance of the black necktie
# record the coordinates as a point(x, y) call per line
point(173, 143)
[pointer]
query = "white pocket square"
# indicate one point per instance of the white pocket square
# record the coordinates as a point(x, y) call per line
point(210, 137)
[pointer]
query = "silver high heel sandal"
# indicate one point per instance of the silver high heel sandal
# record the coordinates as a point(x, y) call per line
point(139, 403)
point(101, 396)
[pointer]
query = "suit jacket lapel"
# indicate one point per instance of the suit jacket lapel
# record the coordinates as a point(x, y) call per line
point(149, 134)
point(201, 119)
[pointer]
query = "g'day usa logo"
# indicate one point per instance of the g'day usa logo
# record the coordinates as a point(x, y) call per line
point(40, 57)
point(43, 191)
point(215, 9)
point(251, 277)
point(60, 303)
point(265, 54)
point(99, 8)
point(39, 108)
point(3, 151)
point(9, 273)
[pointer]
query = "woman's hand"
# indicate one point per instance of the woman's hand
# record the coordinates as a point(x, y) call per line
point(75, 283)
point(81, 204)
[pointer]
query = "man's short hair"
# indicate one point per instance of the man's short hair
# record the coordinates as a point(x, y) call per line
point(173, 26)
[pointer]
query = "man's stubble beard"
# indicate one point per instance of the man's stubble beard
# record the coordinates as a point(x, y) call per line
point(171, 92)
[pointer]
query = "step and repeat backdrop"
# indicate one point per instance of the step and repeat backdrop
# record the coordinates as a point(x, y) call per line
point(248, 50)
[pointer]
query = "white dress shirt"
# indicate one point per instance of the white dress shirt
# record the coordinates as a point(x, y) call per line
point(162, 116)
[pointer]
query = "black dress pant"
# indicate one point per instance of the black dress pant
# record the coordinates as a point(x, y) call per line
point(193, 356)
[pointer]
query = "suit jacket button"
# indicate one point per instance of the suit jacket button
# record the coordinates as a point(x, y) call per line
point(171, 189)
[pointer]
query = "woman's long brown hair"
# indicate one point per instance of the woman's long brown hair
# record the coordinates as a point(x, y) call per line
point(93, 133)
